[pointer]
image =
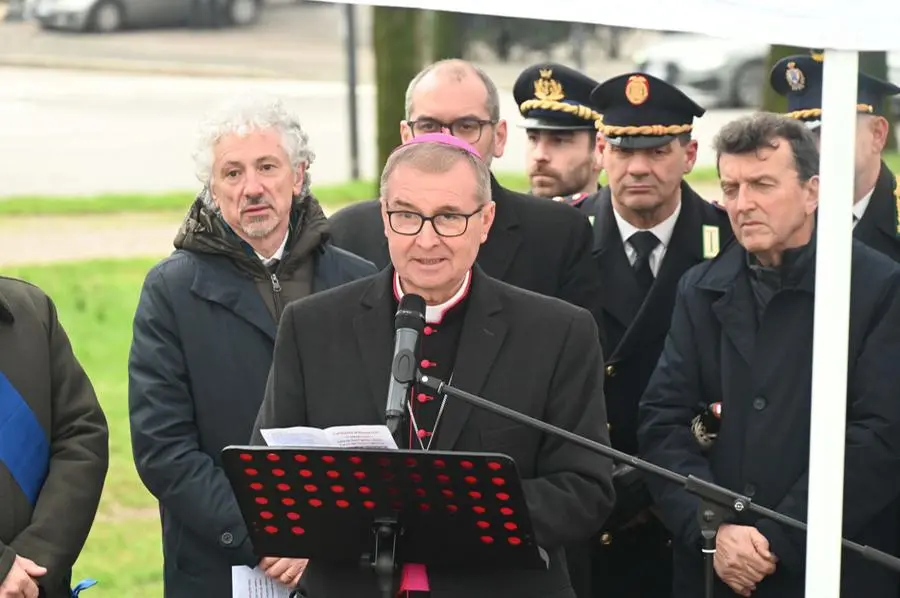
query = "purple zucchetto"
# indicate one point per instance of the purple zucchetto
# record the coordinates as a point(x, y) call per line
point(444, 139)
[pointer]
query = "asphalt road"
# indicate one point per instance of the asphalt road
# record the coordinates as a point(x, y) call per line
point(74, 133)
point(86, 114)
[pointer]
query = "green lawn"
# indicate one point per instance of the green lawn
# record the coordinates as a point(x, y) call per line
point(330, 195)
point(96, 303)
point(333, 196)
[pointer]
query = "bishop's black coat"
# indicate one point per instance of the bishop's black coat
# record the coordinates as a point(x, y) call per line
point(535, 354)
point(637, 562)
point(760, 368)
point(879, 228)
point(534, 244)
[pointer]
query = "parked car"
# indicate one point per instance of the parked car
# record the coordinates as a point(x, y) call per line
point(106, 16)
point(719, 73)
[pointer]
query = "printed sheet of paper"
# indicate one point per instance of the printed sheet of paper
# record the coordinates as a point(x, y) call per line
point(359, 437)
point(362, 437)
point(297, 436)
point(253, 583)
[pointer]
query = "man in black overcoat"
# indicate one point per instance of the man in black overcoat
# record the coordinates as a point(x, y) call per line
point(535, 354)
point(650, 227)
point(742, 338)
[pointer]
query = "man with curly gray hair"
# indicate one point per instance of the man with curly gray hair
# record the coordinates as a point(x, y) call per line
point(254, 240)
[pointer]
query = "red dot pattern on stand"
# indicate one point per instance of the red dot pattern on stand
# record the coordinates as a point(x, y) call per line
point(473, 490)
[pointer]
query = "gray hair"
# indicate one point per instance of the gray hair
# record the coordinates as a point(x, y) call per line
point(458, 69)
point(763, 130)
point(251, 114)
point(436, 158)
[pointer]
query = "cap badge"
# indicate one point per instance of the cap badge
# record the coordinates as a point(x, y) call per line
point(637, 89)
point(547, 88)
point(795, 77)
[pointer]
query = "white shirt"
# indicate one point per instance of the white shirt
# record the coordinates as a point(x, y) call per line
point(662, 231)
point(268, 261)
point(859, 208)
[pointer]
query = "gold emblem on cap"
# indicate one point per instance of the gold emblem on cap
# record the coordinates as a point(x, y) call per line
point(795, 77)
point(548, 88)
point(637, 89)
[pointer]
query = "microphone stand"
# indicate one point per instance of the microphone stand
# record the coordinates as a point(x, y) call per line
point(715, 501)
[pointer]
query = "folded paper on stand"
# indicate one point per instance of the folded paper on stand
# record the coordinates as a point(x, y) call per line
point(351, 437)
point(254, 583)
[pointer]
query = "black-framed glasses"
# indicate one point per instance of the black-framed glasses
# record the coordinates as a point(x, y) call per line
point(404, 222)
point(467, 129)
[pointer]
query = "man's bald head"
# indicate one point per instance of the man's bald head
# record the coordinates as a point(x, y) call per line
point(453, 70)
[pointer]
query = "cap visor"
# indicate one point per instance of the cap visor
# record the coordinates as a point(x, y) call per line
point(546, 125)
point(640, 141)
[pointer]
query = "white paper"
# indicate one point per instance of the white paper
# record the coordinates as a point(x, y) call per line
point(254, 583)
point(358, 437)
point(296, 436)
point(362, 437)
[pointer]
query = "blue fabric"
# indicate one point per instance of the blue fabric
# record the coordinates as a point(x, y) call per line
point(24, 448)
point(83, 585)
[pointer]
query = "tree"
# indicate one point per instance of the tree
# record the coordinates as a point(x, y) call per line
point(772, 101)
point(446, 35)
point(397, 45)
point(875, 65)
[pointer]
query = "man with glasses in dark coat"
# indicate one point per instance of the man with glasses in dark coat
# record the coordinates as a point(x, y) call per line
point(534, 244)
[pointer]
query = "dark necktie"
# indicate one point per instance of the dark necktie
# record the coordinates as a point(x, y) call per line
point(643, 242)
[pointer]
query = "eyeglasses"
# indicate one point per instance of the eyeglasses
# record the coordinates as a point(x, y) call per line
point(446, 225)
point(467, 129)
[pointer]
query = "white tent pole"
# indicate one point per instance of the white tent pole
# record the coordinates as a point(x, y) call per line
point(831, 326)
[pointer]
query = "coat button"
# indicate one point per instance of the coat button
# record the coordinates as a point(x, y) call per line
point(749, 490)
point(759, 403)
point(610, 370)
point(227, 539)
point(606, 538)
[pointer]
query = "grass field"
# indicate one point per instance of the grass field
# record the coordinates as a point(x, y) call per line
point(329, 195)
point(96, 303)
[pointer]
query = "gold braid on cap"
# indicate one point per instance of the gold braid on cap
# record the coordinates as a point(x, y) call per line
point(574, 109)
point(815, 112)
point(653, 130)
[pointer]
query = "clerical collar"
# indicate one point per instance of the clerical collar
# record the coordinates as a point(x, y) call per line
point(435, 313)
point(268, 261)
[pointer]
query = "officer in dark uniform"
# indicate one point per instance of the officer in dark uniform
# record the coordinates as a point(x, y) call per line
point(562, 158)
point(649, 228)
point(876, 201)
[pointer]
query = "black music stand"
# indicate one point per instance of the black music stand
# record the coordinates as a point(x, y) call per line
point(384, 508)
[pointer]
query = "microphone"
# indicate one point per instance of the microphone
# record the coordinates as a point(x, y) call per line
point(408, 323)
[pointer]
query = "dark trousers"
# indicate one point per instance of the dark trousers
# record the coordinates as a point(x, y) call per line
point(635, 563)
